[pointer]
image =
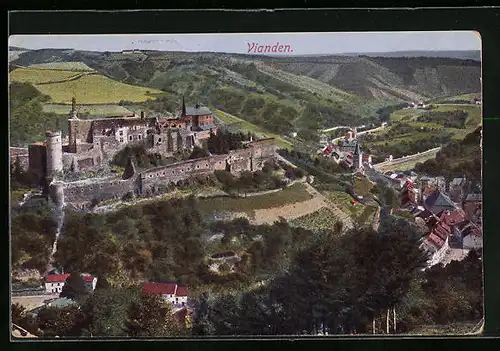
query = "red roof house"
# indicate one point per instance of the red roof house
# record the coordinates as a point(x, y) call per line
point(56, 278)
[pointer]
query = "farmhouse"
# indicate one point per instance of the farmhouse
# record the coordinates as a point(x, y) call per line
point(170, 292)
point(54, 283)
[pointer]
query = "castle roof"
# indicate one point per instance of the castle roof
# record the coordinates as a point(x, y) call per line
point(197, 110)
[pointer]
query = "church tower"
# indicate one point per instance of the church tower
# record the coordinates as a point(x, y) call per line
point(357, 158)
point(183, 113)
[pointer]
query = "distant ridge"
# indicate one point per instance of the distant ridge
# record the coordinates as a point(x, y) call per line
point(17, 48)
point(464, 55)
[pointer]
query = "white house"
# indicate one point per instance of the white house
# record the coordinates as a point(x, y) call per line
point(55, 282)
point(171, 292)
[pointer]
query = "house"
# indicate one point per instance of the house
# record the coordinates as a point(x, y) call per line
point(438, 202)
point(54, 282)
point(90, 282)
point(457, 189)
point(171, 292)
point(472, 206)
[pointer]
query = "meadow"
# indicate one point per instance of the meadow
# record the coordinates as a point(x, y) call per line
point(239, 124)
point(96, 89)
point(39, 76)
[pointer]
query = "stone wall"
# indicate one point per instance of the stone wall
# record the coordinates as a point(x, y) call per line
point(85, 191)
point(21, 154)
point(180, 171)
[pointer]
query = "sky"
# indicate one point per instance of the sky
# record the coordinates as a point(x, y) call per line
point(298, 43)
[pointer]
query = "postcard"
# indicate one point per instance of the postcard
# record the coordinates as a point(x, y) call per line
point(257, 184)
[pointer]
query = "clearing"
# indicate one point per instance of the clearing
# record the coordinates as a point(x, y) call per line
point(242, 125)
point(31, 302)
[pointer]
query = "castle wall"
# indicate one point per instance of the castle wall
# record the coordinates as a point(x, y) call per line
point(21, 154)
point(37, 160)
point(180, 171)
point(85, 192)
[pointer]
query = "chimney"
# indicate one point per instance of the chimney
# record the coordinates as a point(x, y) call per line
point(183, 106)
point(142, 114)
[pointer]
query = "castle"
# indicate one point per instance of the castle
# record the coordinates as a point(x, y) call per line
point(94, 142)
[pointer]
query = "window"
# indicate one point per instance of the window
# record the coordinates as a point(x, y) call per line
point(139, 136)
point(121, 140)
point(183, 304)
point(159, 140)
point(130, 137)
point(121, 133)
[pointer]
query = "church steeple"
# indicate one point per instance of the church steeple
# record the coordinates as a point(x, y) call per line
point(183, 106)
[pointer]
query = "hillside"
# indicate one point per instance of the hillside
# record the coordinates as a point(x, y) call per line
point(457, 158)
point(281, 95)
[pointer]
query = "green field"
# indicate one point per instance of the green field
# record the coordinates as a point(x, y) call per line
point(67, 66)
point(290, 195)
point(37, 76)
point(96, 89)
point(97, 110)
point(321, 219)
point(242, 125)
point(88, 87)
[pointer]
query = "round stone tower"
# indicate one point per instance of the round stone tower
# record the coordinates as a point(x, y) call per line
point(54, 153)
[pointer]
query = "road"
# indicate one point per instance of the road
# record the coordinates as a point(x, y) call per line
point(404, 158)
point(360, 133)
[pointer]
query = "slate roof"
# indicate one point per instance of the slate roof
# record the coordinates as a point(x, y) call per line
point(197, 111)
point(473, 197)
point(438, 202)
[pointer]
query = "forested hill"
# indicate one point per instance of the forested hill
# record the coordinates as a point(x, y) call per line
point(280, 94)
point(371, 77)
point(456, 159)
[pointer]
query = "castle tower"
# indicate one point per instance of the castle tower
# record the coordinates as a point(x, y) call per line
point(357, 158)
point(54, 153)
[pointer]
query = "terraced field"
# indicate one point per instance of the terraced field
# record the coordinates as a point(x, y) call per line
point(318, 220)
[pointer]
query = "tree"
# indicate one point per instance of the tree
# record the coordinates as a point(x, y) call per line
point(59, 322)
point(150, 316)
point(198, 153)
point(74, 288)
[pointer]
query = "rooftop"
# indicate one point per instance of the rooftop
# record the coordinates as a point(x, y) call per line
point(197, 110)
point(165, 288)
